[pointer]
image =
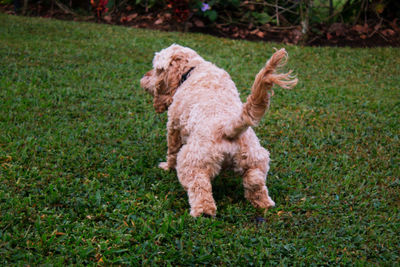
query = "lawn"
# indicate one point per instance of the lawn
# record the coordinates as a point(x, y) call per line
point(80, 142)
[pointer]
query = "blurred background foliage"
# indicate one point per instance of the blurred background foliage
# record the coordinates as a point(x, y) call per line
point(274, 12)
point(302, 17)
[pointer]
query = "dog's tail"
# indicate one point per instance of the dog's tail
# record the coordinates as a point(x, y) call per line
point(258, 101)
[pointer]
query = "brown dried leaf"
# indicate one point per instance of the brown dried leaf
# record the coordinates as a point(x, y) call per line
point(360, 28)
point(159, 21)
point(131, 17)
point(7, 159)
point(254, 31)
point(149, 17)
point(260, 34)
point(167, 16)
point(394, 26)
point(337, 28)
point(198, 23)
point(388, 32)
point(296, 36)
point(226, 29)
point(59, 233)
point(107, 18)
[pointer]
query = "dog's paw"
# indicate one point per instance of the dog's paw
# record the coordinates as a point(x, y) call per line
point(263, 203)
point(205, 213)
point(164, 166)
point(207, 209)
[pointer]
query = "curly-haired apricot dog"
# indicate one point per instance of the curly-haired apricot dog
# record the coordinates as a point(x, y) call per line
point(208, 126)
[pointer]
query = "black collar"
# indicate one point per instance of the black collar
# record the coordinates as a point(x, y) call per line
point(185, 76)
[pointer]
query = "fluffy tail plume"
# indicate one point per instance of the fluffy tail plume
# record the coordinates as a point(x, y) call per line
point(258, 101)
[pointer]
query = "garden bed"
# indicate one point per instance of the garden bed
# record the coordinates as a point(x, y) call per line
point(374, 32)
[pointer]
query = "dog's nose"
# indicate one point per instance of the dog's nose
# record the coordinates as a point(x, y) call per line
point(149, 73)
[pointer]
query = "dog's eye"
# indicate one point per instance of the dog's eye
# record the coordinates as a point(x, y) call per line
point(159, 71)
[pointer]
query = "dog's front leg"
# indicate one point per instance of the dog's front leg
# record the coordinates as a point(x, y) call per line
point(174, 145)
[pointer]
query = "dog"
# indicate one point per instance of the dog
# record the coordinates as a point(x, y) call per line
point(208, 125)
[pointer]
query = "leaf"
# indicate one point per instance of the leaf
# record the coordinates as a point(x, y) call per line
point(337, 28)
point(258, 33)
point(379, 8)
point(107, 18)
point(59, 233)
point(261, 18)
point(394, 26)
point(261, 34)
point(211, 14)
point(131, 17)
point(388, 32)
point(235, 3)
point(198, 23)
point(360, 28)
point(159, 21)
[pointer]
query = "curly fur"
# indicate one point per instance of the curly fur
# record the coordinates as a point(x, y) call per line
point(209, 127)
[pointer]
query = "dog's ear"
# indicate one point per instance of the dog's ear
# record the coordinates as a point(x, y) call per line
point(161, 101)
point(169, 79)
point(177, 68)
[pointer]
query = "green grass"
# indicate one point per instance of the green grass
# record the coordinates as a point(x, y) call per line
point(80, 142)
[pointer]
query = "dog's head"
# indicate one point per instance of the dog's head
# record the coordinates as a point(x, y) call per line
point(169, 66)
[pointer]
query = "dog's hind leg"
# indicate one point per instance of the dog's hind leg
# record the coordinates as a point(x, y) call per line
point(195, 176)
point(198, 186)
point(200, 195)
point(254, 160)
point(255, 189)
